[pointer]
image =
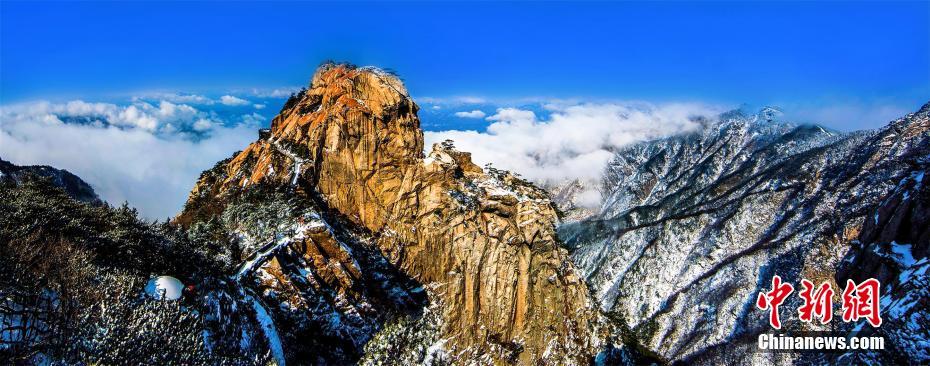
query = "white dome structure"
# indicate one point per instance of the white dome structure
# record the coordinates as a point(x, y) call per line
point(164, 288)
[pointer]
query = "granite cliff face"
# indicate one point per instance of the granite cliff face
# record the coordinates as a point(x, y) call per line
point(476, 247)
point(694, 226)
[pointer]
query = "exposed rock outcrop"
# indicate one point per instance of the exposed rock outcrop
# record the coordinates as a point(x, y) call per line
point(482, 242)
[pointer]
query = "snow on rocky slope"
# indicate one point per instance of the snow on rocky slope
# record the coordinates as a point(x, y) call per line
point(693, 226)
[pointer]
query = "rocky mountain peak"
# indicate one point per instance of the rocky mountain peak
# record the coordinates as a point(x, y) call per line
point(343, 95)
point(481, 241)
point(769, 113)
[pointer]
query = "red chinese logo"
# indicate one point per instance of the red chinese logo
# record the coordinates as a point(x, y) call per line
point(819, 303)
point(862, 301)
point(772, 299)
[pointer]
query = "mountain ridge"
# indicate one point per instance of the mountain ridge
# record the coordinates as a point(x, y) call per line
point(74, 185)
point(700, 222)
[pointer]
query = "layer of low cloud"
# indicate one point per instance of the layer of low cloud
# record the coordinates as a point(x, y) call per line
point(233, 101)
point(575, 142)
point(151, 150)
point(185, 98)
point(472, 114)
point(149, 154)
point(158, 117)
point(233, 98)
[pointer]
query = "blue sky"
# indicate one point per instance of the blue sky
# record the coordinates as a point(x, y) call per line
point(721, 52)
point(138, 98)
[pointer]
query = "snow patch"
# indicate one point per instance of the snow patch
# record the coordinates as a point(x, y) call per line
point(271, 333)
point(436, 350)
